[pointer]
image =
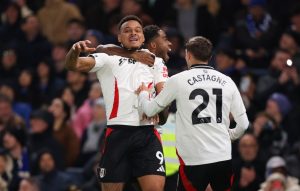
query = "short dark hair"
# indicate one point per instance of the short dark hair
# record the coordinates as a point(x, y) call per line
point(150, 32)
point(129, 18)
point(200, 47)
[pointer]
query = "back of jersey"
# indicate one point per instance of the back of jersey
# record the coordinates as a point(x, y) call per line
point(204, 101)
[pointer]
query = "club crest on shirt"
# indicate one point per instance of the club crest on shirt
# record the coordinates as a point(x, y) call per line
point(102, 172)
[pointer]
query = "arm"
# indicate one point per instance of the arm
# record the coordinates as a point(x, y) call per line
point(162, 100)
point(163, 115)
point(242, 124)
point(139, 55)
point(238, 112)
point(74, 62)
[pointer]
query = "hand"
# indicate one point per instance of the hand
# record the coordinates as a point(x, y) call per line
point(141, 88)
point(82, 46)
point(247, 176)
point(154, 119)
point(284, 77)
point(294, 75)
point(144, 57)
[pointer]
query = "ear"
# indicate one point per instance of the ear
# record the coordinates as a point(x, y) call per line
point(153, 45)
point(187, 55)
point(119, 38)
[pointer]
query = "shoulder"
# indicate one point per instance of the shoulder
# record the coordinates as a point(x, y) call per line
point(159, 62)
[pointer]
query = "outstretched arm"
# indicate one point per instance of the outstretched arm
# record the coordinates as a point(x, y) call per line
point(74, 62)
point(138, 55)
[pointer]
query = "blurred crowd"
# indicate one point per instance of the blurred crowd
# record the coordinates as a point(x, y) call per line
point(52, 120)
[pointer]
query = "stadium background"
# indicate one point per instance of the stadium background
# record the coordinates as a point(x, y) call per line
point(253, 41)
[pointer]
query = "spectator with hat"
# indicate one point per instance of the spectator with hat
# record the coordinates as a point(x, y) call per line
point(96, 37)
point(278, 106)
point(278, 177)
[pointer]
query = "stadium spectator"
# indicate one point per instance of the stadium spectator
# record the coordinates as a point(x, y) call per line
point(9, 179)
point(277, 177)
point(78, 82)
point(10, 24)
point(249, 167)
point(68, 96)
point(32, 46)
point(58, 55)
point(93, 136)
point(15, 142)
point(271, 137)
point(29, 184)
point(54, 16)
point(278, 106)
point(47, 84)
point(7, 115)
point(76, 31)
point(276, 77)
point(25, 86)
point(50, 177)
point(104, 11)
point(84, 116)
point(63, 132)
point(290, 41)
point(41, 137)
point(9, 67)
point(256, 33)
point(135, 7)
point(22, 109)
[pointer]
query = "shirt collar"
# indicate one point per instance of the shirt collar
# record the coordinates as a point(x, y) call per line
point(201, 66)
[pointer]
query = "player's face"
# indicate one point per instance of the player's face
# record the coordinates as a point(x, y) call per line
point(131, 35)
point(163, 45)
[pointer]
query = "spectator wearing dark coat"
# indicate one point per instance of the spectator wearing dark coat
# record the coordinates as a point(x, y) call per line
point(49, 177)
point(41, 137)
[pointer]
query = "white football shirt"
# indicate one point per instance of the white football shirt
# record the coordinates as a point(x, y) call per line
point(204, 99)
point(119, 78)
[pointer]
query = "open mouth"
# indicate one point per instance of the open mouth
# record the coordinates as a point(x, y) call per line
point(133, 39)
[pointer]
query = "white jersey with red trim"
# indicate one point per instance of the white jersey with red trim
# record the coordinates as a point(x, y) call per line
point(119, 78)
point(204, 99)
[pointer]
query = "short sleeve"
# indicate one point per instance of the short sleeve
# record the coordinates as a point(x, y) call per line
point(160, 71)
point(101, 59)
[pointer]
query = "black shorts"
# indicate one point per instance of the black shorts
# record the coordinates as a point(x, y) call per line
point(196, 178)
point(130, 152)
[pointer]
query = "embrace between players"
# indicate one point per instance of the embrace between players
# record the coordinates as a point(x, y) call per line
point(132, 144)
